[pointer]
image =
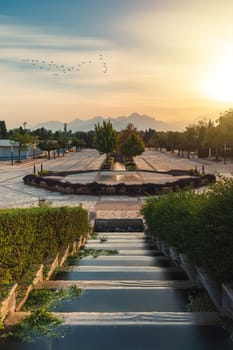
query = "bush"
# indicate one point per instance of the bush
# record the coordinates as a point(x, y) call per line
point(30, 236)
point(199, 225)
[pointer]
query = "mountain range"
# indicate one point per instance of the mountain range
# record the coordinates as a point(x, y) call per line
point(140, 121)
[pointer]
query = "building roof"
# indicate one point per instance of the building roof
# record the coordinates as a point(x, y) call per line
point(7, 143)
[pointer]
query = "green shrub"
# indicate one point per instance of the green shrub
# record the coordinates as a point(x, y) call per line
point(199, 225)
point(50, 298)
point(30, 236)
point(39, 323)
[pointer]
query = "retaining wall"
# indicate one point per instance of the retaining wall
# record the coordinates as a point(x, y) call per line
point(221, 295)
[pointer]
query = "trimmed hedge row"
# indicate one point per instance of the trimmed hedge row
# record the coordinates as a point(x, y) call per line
point(199, 225)
point(30, 236)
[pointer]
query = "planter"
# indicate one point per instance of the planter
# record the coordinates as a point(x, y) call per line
point(188, 267)
point(222, 297)
point(65, 256)
point(53, 267)
point(174, 255)
point(158, 243)
point(227, 301)
point(213, 289)
point(9, 304)
point(164, 248)
point(38, 278)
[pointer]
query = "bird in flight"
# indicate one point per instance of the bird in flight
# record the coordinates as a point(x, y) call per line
point(55, 68)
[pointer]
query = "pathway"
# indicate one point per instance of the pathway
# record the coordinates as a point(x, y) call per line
point(15, 194)
point(135, 300)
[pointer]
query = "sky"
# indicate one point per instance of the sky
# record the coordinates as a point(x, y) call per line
point(67, 59)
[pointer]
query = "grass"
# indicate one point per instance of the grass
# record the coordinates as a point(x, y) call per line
point(49, 297)
point(103, 239)
point(199, 301)
point(4, 291)
point(94, 253)
point(97, 252)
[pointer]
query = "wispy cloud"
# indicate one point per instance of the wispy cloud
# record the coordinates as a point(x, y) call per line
point(157, 62)
point(32, 36)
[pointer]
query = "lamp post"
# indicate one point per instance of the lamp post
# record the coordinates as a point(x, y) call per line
point(12, 151)
point(224, 154)
point(33, 151)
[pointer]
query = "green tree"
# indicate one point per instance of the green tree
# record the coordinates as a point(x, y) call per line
point(226, 130)
point(105, 138)
point(48, 146)
point(3, 130)
point(23, 139)
point(159, 140)
point(214, 139)
point(130, 143)
point(63, 139)
point(77, 142)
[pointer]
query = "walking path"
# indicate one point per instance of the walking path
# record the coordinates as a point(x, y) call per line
point(133, 300)
point(15, 194)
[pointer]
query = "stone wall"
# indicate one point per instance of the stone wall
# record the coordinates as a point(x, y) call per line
point(96, 188)
point(8, 306)
point(221, 295)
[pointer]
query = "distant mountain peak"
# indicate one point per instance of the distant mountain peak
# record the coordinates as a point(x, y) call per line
point(140, 121)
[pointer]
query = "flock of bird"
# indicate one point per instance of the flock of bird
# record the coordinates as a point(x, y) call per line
point(58, 69)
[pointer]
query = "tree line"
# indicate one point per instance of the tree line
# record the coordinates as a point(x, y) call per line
point(206, 138)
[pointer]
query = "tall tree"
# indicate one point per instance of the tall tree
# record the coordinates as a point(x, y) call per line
point(3, 130)
point(105, 137)
point(130, 143)
point(23, 139)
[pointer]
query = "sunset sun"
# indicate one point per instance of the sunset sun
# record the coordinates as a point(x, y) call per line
point(219, 83)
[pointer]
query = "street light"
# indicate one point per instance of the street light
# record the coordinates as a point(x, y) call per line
point(34, 151)
point(12, 151)
point(224, 153)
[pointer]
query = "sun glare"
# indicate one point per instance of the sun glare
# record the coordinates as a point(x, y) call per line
point(219, 85)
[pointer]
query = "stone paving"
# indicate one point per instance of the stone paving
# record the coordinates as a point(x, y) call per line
point(164, 161)
point(124, 208)
point(13, 192)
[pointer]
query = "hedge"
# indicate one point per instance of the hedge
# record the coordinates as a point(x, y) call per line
point(30, 236)
point(199, 225)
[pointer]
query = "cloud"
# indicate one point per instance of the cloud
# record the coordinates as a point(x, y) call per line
point(159, 67)
point(36, 37)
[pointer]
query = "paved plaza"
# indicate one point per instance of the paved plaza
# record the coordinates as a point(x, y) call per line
point(14, 193)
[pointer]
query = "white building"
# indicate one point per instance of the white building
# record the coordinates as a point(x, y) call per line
point(9, 150)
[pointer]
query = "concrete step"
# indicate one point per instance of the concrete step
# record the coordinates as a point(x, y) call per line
point(121, 234)
point(129, 318)
point(142, 245)
point(142, 284)
point(117, 257)
point(125, 261)
point(120, 241)
point(133, 252)
point(116, 225)
point(142, 318)
point(118, 268)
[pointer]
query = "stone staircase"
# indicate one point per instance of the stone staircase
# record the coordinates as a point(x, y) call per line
point(133, 300)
